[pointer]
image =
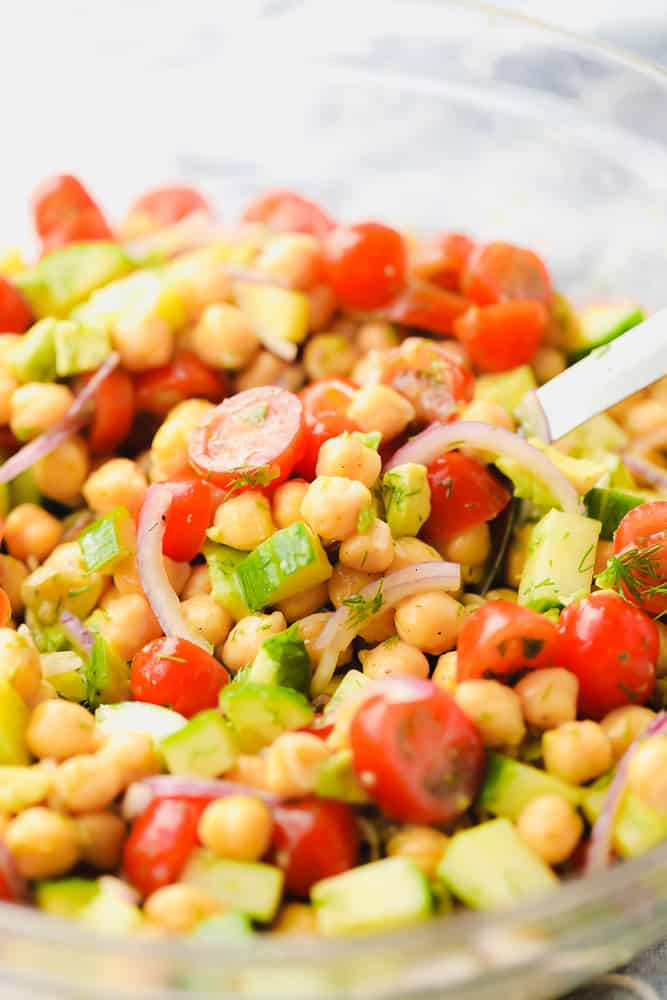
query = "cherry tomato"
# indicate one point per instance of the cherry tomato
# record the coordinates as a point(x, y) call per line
point(114, 412)
point(64, 212)
point(6, 894)
point(161, 842)
point(502, 336)
point(188, 517)
point(503, 638)
point(325, 406)
point(160, 389)
point(427, 307)
point(443, 260)
point(170, 203)
point(612, 647)
point(426, 374)
point(253, 439)
point(464, 493)
point(287, 212)
point(5, 607)
point(501, 272)
point(177, 674)
point(641, 542)
point(88, 225)
point(313, 839)
point(15, 313)
point(366, 264)
point(415, 752)
point(318, 728)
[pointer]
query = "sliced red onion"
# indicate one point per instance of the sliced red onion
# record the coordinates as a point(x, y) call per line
point(440, 438)
point(76, 417)
point(601, 835)
point(76, 631)
point(159, 592)
point(17, 885)
point(196, 230)
point(533, 418)
point(345, 623)
point(637, 460)
point(140, 794)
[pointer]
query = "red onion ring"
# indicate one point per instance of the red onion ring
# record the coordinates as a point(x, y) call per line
point(76, 631)
point(140, 794)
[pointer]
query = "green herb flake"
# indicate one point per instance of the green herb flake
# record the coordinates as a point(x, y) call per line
point(361, 608)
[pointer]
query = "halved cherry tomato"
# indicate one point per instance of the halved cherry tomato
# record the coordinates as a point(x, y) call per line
point(170, 203)
point(502, 336)
point(313, 839)
point(88, 225)
point(6, 894)
point(161, 842)
point(464, 493)
point(5, 607)
point(15, 313)
point(426, 307)
point(366, 264)
point(253, 439)
point(318, 728)
point(501, 272)
point(426, 374)
point(288, 212)
point(188, 517)
point(325, 406)
point(612, 647)
point(442, 260)
point(415, 752)
point(177, 674)
point(640, 541)
point(64, 212)
point(503, 638)
point(185, 377)
point(114, 412)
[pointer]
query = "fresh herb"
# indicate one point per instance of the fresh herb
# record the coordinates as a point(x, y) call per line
point(532, 647)
point(395, 493)
point(247, 479)
point(365, 520)
point(255, 415)
point(361, 608)
point(636, 571)
point(371, 439)
point(581, 568)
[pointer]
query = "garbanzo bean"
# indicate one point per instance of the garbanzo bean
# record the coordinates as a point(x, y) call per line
point(551, 827)
point(42, 842)
point(293, 762)
point(238, 827)
point(244, 521)
point(143, 341)
point(179, 907)
point(350, 458)
point(169, 449)
point(495, 709)
point(118, 482)
point(207, 618)
point(101, 836)
point(305, 603)
point(647, 773)
point(310, 628)
point(245, 639)
point(376, 337)
point(623, 725)
point(379, 408)
point(132, 754)
point(471, 546)
point(548, 697)
point(372, 551)
point(223, 337)
point(295, 258)
point(329, 355)
point(87, 783)
point(31, 531)
point(36, 406)
point(547, 363)
point(332, 506)
point(488, 413)
point(12, 574)
point(577, 751)
point(394, 658)
point(429, 621)
point(408, 551)
point(287, 501)
point(60, 729)
point(128, 623)
point(198, 582)
point(445, 673)
point(422, 844)
point(295, 918)
point(61, 474)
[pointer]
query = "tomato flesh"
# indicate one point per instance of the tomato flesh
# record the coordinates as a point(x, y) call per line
point(15, 313)
point(114, 412)
point(288, 212)
point(186, 377)
point(502, 336)
point(464, 493)
point(313, 839)
point(64, 212)
point(501, 639)
point(612, 647)
point(170, 203)
point(641, 540)
point(501, 272)
point(325, 406)
point(161, 842)
point(366, 264)
point(443, 260)
point(188, 517)
point(177, 674)
point(415, 752)
point(427, 307)
point(427, 375)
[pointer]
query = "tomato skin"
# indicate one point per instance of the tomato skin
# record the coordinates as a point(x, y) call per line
point(188, 517)
point(502, 336)
point(161, 842)
point(426, 374)
point(170, 203)
point(501, 272)
point(185, 377)
point(366, 264)
point(114, 412)
point(427, 307)
point(612, 647)
point(287, 212)
point(175, 673)
point(325, 406)
point(15, 313)
point(64, 212)
point(503, 638)
point(313, 839)
point(443, 259)
point(645, 527)
point(5, 607)
point(464, 493)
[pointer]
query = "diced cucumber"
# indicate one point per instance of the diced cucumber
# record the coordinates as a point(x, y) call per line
point(388, 893)
point(283, 659)
point(489, 866)
point(637, 828)
point(407, 498)
point(560, 561)
point(205, 747)
point(109, 913)
point(506, 388)
point(580, 472)
point(24, 489)
point(252, 887)
point(260, 712)
point(47, 591)
point(34, 357)
point(67, 276)
point(225, 587)
point(599, 434)
point(137, 298)
point(107, 674)
point(80, 347)
point(600, 324)
point(65, 897)
point(275, 314)
point(337, 779)
point(290, 561)
point(65, 670)
point(139, 717)
point(609, 507)
point(235, 924)
point(14, 716)
point(350, 690)
point(510, 785)
point(22, 787)
point(107, 541)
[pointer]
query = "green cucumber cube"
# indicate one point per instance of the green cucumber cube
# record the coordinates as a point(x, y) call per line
point(560, 561)
point(260, 712)
point(34, 358)
point(600, 324)
point(407, 498)
point(205, 747)
point(65, 897)
point(252, 887)
point(506, 388)
point(80, 347)
point(609, 507)
point(337, 780)
point(510, 785)
point(14, 716)
point(65, 277)
point(107, 541)
point(222, 564)
point(283, 659)
point(107, 675)
point(290, 561)
point(139, 717)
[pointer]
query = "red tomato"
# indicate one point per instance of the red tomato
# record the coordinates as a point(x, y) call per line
point(318, 728)
point(612, 647)
point(6, 894)
point(640, 541)
point(427, 307)
point(415, 752)
point(5, 607)
point(464, 493)
point(177, 674)
point(287, 212)
point(160, 389)
point(443, 260)
point(161, 841)
point(325, 406)
point(501, 272)
point(366, 264)
point(502, 336)
point(114, 412)
point(64, 212)
point(15, 313)
point(253, 439)
point(313, 839)
point(503, 638)
point(188, 517)
point(88, 225)
point(426, 374)
point(170, 203)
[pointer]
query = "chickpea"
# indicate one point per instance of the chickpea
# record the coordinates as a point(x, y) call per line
point(350, 458)
point(345, 581)
point(199, 280)
point(517, 554)
point(577, 751)
point(408, 551)
point(266, 369)
point(322, 305)
point(295, 918)
point(249, 770)
point(488, 413)
point(548, 697)
point(551, 827)
point(646, 416)
point(246, 638)
point(118, 482)
point(393, 658)
point(293, 762)
point(12, 574)
point(223, 337)
point(305, 603)
point(376, 337)
point(471, 546)
point(132, 754)
point(244, 521)
point(379, 408)
point(198, 582)
point(207, 618)
point(142, 339)
point(126, 577)
point(445, 673)
point(287, 501)
point(661, 666)
point(429, 621)
point(101, 836)
point(61, 474)
point(42, 842)
point(36, 406)
point(547, 363)
point(20, 663)
point(421, 844)
point(60, 729)
point(238, 827)
point(495, 709)
point(329, 355)
point(8, 386)
point(169, 449)
point(603, 552)
point(647, 773)
point(87, 783)
point(502, 594)
point(380, 627)
point(128, 623)
point(332, 506)
point(295, 258)
point(310, 628)
point(372, 551)
point(623, 725)
point(31, 531)
point(179, 907)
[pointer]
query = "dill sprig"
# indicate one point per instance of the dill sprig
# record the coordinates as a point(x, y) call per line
point(361, 608)
point(635, 571)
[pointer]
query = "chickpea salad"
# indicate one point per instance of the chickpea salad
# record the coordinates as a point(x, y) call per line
point(302, 628)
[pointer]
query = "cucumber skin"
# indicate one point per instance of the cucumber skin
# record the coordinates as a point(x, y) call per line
point(609, 507)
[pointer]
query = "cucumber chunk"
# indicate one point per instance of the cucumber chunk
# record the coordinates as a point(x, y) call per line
point(337, 780)
point(283, 659)
point(252, 887)
point(34, 357)
point(510, 785)
point(107, 541)
point(637, 828)
point(560, 561)
point(65, 897)
point(600, 324)
point(274, 313)
point(14, 716)
point(506, 388)
point(609, 507)
point(290, 561)
point(67, 276)
point(225, 587)
point(139, 717)
point(407, 498)
point(205, 747)
point(260, 712)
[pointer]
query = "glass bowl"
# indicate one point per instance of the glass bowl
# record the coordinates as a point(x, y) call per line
point(427, 114)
